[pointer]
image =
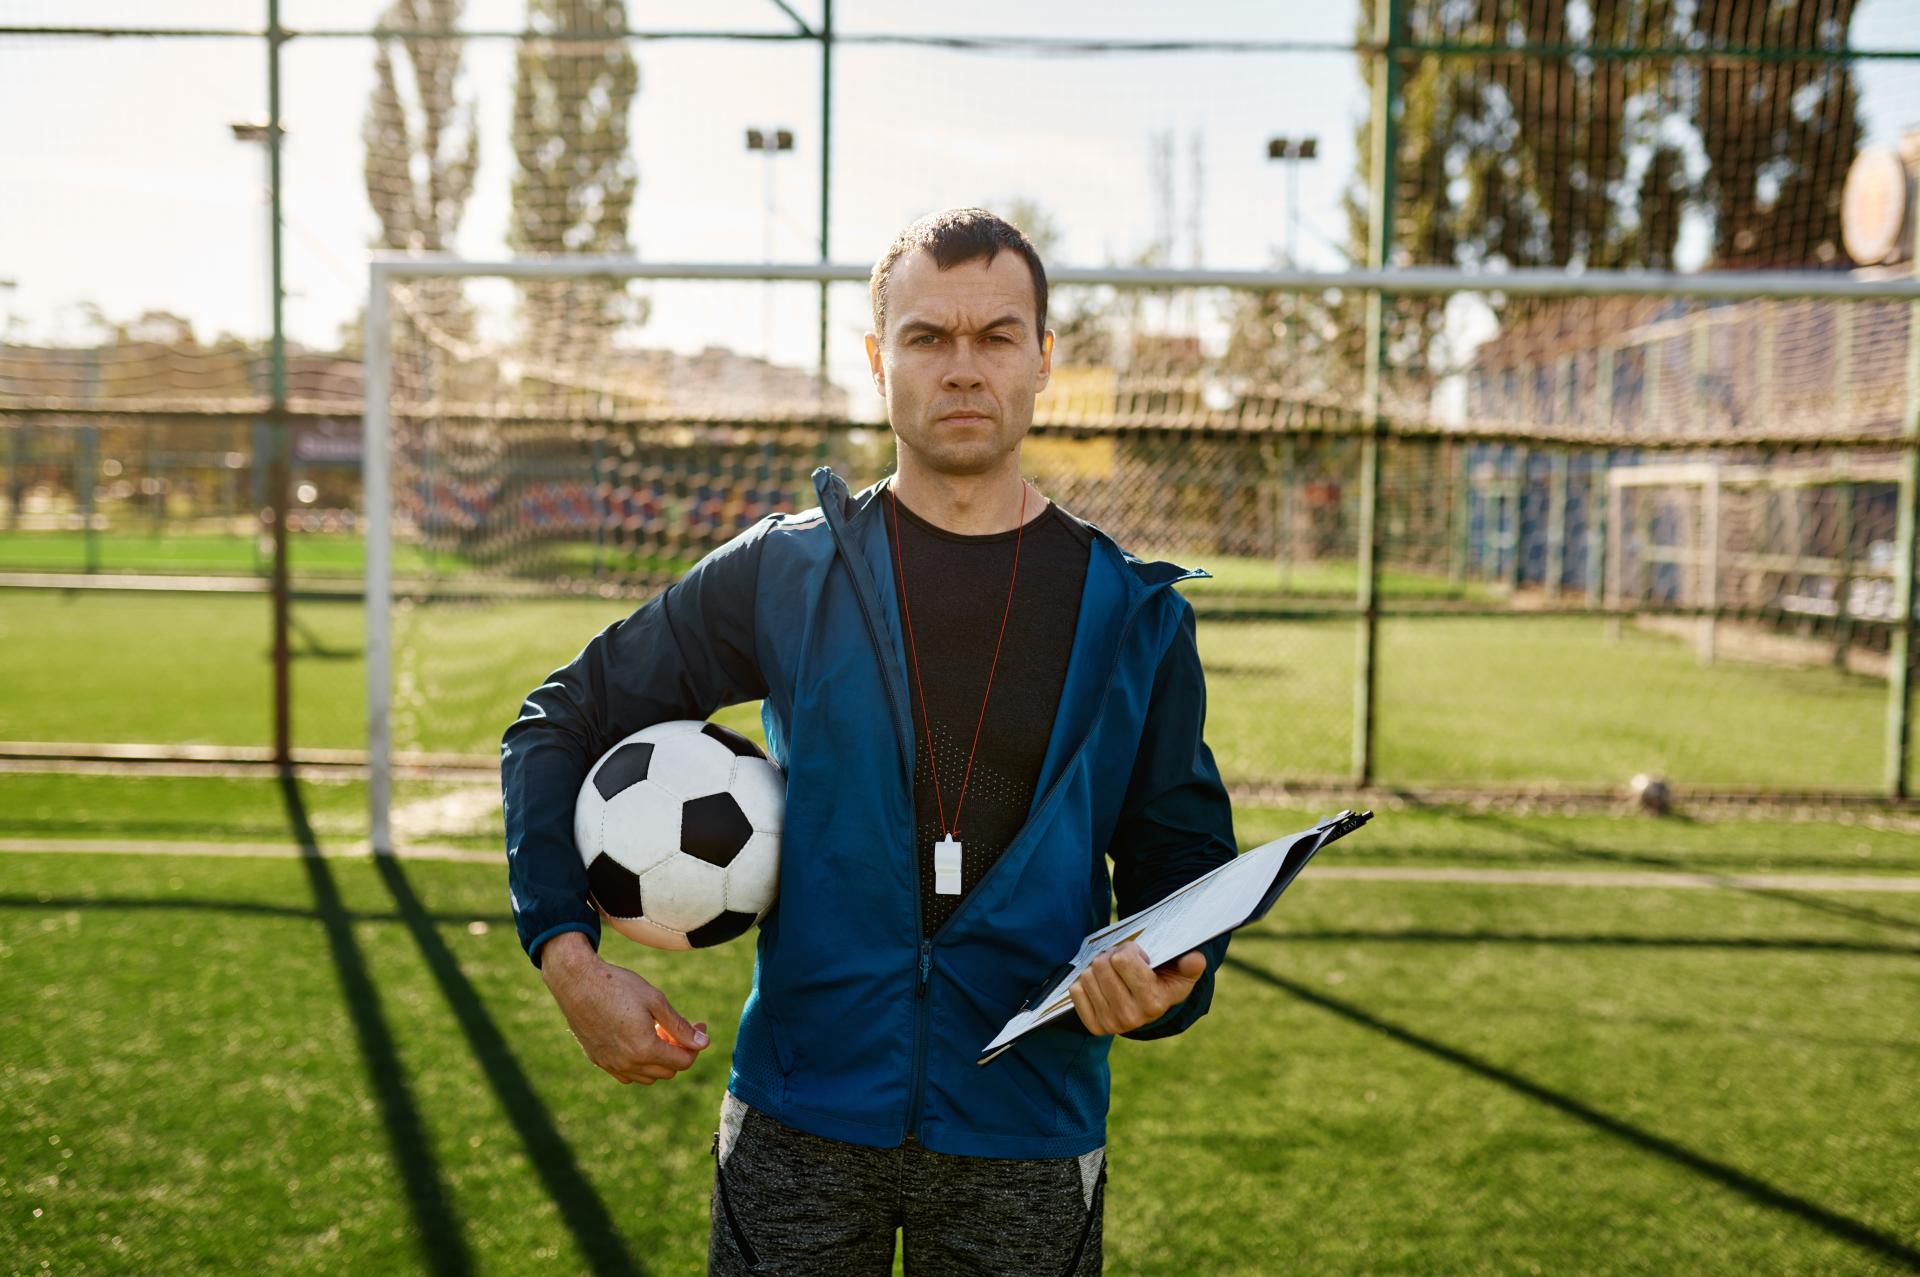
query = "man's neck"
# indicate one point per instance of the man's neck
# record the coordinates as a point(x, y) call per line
point(968, 505)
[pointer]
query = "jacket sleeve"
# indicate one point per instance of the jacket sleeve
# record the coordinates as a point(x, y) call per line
point(684, 654)
point(1176, 824)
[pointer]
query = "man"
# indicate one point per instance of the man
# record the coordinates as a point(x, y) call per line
point(979, 701)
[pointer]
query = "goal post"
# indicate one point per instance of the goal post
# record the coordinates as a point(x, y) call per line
point(523, 449)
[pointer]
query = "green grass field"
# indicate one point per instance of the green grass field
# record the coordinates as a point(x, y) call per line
point(188, 550)
point(179, 551)
point(325, 1064)
point(1480, 700)
point(321, 1064)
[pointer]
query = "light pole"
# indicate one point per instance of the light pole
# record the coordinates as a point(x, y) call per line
point(1291, 152)
point(770, 143)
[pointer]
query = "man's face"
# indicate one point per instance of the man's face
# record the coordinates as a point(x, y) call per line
point(960, 363)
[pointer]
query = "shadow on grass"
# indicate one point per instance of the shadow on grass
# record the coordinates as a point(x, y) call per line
point(314, 648)
point(1571, 848)
point(442, 1245)
point(1732, 1178)
point(580, 1206)
point(258, 908)
point(150, 828)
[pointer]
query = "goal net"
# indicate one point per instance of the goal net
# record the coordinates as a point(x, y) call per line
point(551, 442)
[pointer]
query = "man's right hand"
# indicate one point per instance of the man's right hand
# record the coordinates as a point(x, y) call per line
point(624, 1024)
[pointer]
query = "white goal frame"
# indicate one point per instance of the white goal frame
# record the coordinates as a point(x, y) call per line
point(386, 268)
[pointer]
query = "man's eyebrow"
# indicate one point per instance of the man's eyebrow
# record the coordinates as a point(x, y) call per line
point(1011, 319)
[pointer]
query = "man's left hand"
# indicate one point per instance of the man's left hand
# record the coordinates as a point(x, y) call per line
point(1120, 992)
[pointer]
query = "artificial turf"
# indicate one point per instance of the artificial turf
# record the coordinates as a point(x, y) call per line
point(1508, 700)
point(322, 1064)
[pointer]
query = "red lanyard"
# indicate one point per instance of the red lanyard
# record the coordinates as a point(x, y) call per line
point(899, 567)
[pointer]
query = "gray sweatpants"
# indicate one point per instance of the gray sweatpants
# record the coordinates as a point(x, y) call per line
point(786, 1202)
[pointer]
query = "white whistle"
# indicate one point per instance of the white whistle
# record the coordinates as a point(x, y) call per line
point(946, 866)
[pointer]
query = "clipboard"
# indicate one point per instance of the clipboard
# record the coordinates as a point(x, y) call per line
point(1222, 900)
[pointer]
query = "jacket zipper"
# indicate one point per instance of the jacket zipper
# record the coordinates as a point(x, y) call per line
point(904, 740)
point(917, 1080)
point(919, 1033)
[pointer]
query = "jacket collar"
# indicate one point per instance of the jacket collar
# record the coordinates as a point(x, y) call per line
point(853, 510)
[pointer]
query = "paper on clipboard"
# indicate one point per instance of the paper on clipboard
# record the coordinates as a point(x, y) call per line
point(1238, 892)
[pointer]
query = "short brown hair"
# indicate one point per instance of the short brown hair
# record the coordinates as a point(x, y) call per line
point(955, 236)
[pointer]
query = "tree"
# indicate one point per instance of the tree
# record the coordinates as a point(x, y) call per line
point(422, 152)
point(574, 175)
point(419, 204)
point(1596, 161)
point(1602, 161)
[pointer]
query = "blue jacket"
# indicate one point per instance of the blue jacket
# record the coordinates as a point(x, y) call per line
point(857, 1029)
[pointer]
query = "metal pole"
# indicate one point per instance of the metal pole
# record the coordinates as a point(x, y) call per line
point(1596, 524)
point(280, 424)
point(1900, 647)
point(86, 481)
point(1461, 514)
point(826, 170)
point(1403, 281)
point(1386, 96)
point(1289, 510)
point(376, 516)
point(16, 471)
point(1710, 568)
point(766, 247)
point(1616, 554)
point(1517, 520)
point(1556, 522)
point(1843, 580)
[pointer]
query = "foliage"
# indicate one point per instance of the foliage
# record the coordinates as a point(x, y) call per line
point(422, 151)
point(1601, 160)
point(419, 205)
point(574, 176)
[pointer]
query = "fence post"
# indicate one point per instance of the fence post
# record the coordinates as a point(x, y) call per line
point(1462, 511)
point(1900, 648)
point(16, 471)
point(84, 483)
point(280, 426)
point(1710, 568)
point(1556, 522)
point(1596, 493)
point(1517, 522)
point(1843, 580)
point(1616, 552)
point(1386, 95)
point(377, 521)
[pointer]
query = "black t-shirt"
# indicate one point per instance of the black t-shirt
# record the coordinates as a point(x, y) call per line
point(956, 587)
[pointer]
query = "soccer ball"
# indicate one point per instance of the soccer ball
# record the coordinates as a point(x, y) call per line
point(679, 827)
point(1651, 794)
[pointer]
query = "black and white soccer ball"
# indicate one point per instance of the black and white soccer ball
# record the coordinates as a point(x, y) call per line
point(679, 827)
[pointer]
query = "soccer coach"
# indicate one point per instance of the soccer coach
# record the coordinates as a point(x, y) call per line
point(980, 703)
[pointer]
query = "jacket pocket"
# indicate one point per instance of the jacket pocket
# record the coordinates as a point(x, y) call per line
point(750, 1256)
point(1094, 1207)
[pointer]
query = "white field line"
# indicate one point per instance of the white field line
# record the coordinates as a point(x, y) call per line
point(1640, 880)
